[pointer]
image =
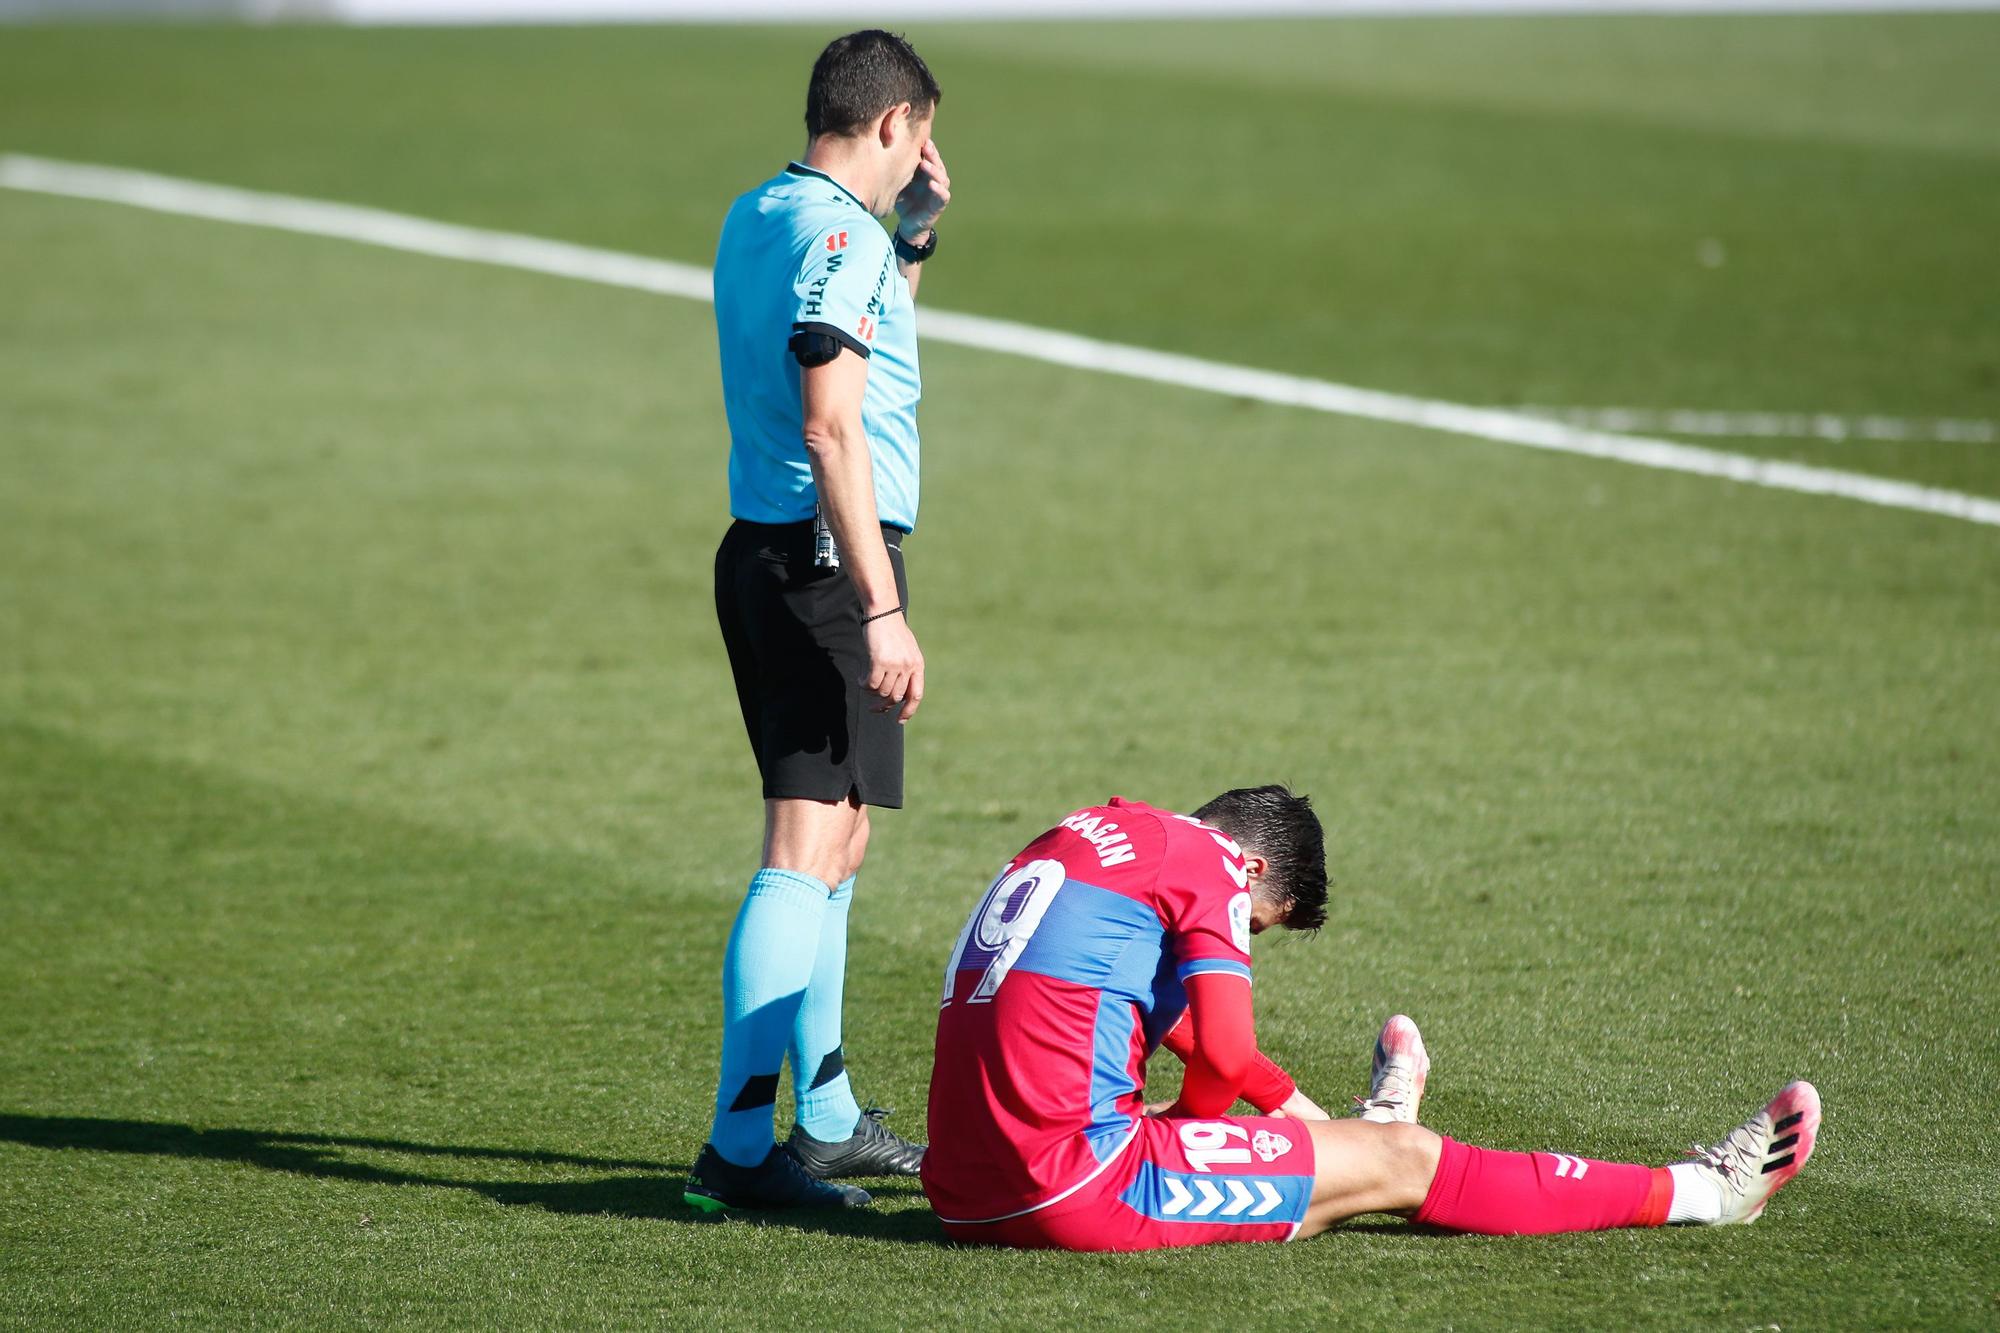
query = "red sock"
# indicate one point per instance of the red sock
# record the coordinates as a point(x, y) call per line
point(1533, 1193)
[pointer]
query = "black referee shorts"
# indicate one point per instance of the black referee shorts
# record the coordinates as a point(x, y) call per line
point(800, 660)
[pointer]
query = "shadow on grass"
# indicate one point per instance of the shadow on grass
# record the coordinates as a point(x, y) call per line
point(652, 1196)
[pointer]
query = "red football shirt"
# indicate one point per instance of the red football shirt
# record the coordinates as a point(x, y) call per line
point(1067, 974)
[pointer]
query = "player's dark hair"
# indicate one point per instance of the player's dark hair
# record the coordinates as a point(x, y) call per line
point(863, 74)
point(1272, 823)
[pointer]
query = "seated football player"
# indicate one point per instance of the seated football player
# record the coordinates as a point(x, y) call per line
point(1126, 927)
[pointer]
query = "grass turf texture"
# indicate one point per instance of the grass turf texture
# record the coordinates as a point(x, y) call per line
point(1498, 211)
point(372, 806)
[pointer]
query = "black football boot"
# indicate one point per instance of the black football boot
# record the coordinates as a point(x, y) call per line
point(716, 1184)
point(873, 1149)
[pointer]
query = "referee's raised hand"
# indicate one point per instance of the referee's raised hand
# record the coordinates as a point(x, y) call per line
point(929, 191)
point(895, 666)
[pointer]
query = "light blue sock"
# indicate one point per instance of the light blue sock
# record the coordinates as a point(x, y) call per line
point(764, 977)
point(826, 1105)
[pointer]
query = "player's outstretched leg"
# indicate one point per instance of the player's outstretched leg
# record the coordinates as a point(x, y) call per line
point(1397, 1074)
point(1362, 1167)
point(1400, 1167)
point(1501, 1193)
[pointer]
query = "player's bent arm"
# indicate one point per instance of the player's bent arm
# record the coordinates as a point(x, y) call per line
point(844, 477)
point(1266, 1085)
point(1224, 1041)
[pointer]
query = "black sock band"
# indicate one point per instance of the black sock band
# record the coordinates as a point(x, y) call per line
point(758, 1090)
point(830, 1068)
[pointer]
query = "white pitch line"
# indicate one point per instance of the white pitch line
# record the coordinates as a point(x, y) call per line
point(396, 231)
point(1774, 425)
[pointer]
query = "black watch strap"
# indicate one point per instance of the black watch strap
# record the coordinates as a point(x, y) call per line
point(916, 254)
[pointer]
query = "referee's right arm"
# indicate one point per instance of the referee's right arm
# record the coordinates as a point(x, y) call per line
point(844, 478)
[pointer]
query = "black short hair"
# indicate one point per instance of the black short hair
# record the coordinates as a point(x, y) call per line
point(1272, 823)
point(863, 74)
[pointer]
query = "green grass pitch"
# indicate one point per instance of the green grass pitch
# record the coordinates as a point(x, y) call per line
point(373, 806)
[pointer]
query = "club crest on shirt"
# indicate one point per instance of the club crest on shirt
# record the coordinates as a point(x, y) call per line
point(1270, 1146)
point(1239, 922)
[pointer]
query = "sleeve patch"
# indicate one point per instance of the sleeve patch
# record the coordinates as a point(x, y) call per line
point(1239, 922)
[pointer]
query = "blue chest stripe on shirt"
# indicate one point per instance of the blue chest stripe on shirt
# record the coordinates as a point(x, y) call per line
point(1094, 937)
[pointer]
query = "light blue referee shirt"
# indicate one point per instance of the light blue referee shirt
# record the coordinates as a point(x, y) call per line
point(800, 251)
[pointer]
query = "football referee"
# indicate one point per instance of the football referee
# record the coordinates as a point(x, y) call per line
point(819, 375)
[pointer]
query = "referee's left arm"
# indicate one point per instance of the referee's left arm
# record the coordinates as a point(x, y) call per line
point(844, 477)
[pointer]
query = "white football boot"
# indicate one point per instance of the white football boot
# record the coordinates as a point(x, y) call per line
point(1761, 1154)
point(1396, 1080)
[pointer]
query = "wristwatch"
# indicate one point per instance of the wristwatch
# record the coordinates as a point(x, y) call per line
point(916, 254)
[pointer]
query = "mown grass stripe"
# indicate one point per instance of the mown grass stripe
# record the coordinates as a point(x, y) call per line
point(167, 194)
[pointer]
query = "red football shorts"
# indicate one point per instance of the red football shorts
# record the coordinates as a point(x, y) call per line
point(1176, 1182)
